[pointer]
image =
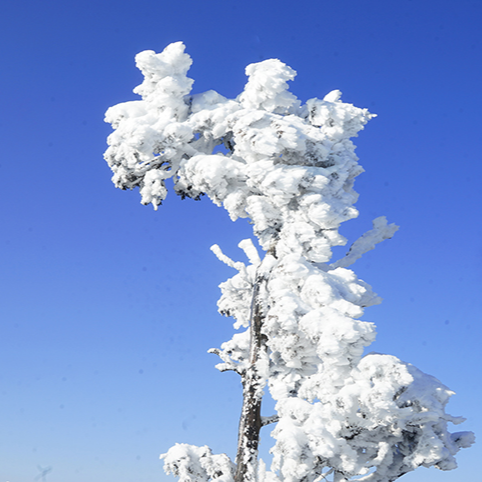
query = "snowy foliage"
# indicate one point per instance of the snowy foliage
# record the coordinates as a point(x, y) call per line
point(290, 169)
point(196, 464)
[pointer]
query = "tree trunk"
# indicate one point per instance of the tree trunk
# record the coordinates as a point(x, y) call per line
point(253, 383)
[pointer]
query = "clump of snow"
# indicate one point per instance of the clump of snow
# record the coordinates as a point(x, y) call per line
point(267, 87)
point(197, 464)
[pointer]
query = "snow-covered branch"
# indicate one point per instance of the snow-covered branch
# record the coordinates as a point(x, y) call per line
point(269, 420)
point(381, 231)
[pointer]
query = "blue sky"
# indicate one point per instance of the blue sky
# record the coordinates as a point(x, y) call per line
point(107, 308)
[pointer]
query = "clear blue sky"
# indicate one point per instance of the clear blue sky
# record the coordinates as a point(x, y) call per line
point(107, 308)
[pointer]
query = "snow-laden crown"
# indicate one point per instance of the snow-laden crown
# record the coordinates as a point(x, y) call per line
point(290, 169)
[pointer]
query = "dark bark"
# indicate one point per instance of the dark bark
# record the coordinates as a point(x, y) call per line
point(250, 422)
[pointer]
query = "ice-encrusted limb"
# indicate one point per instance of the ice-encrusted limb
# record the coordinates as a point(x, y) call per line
point(234, 354)
point(269, 420)
point(228, 364)
point(250, 250)
point(238, 265)
point(381, 231)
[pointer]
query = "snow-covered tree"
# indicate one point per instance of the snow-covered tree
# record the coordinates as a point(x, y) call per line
point(290, 169)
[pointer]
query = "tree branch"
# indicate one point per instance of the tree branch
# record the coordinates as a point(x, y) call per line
point(268, 420)
point(381, 231)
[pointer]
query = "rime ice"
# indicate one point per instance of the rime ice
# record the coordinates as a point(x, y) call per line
point(290, 169)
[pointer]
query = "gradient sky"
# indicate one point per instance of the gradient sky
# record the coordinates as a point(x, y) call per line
point(107, 308)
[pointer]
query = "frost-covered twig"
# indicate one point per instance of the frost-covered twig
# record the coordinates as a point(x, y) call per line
point(228, 364)
point(226, 260)
point(381, 231)
point(269, 420)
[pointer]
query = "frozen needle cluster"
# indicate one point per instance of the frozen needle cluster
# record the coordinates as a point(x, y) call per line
point(289, 168)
